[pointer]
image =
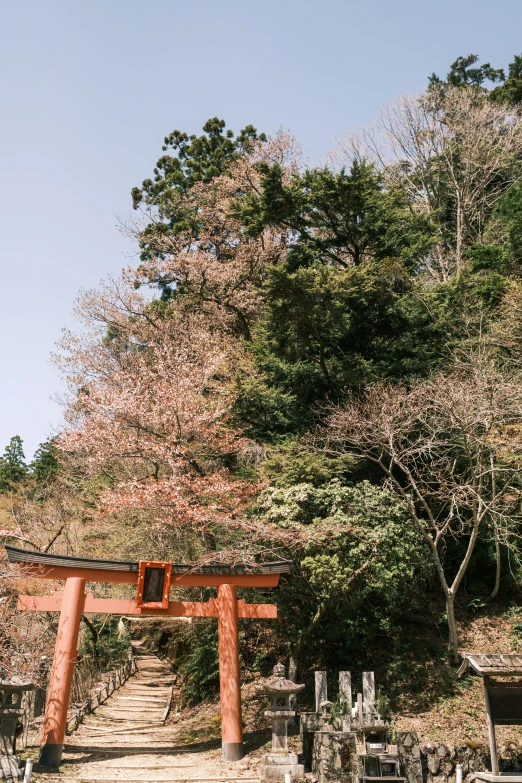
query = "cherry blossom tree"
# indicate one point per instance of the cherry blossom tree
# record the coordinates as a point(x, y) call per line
point(148, 409)
point(150, 380)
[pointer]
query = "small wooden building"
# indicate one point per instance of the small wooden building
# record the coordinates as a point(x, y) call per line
point(503, 702)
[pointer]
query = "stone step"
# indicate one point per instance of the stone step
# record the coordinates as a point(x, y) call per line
point(149, 750)
point(184, 778)
point(154, 684)
point(134, 720)
point(150, 691)
point(130, 708)
point(63, 779)
point(134, 712)
point(140, 699)
point(172, 766)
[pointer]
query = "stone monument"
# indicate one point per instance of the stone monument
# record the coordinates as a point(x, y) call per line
point(280, 761)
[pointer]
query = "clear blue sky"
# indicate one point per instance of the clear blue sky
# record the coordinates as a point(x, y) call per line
point(89, 89)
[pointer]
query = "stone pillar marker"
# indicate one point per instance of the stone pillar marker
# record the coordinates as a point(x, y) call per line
point(321, 692)
point(345, 697)
point(279, 762)
point(368, 694)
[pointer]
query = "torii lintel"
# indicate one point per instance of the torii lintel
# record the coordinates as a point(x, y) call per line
point(123, 606)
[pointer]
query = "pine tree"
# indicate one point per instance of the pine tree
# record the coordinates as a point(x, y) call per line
point(12, 464)
point(45, 462)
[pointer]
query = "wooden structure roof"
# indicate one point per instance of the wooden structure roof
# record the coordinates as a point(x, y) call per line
point(31, 557)
point(493, 665)
point(503, 700)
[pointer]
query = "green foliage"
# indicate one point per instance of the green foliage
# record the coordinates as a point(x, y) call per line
point(45, 464)
point(339, 218)
point(510, 91)
point(337, 712)
point(476, 293)
point(195, 159)
point(514, 615)
point(262, 407)
point(383, 705)
point(507, 220)
point(200, 667)
point(356, 565)
point(291, 463)
point(482, 284)
point(348, 324)
point(13, 468)
point(476, 604)
point(327, 329)
point(107, 639)
point(462, 74)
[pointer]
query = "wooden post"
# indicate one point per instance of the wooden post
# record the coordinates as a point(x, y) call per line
point(28, 707)
point(491, 730)
point(345, 697)
point(42, 682)
point(229, 684)
point(65, 654)
point(321, 691)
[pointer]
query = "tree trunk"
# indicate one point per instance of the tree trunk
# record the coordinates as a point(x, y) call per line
point(498, 563)
point(458, 253)
point(453, 641)
point(94, 635)
point(496, 529)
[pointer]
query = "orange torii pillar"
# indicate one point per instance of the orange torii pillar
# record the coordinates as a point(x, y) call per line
point(229, 682)
point(65, 655)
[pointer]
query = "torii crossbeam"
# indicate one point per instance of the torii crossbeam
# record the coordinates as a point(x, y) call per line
point(153, 582)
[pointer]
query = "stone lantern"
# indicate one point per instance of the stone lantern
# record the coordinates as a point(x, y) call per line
point(280, 762)
point(12, 713)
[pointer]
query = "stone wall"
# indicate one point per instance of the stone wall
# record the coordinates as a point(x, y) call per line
point(439, 762)
point(410, 756)
point(434, 762)
point(334, 757)
point(309, 723)
point(331, 756)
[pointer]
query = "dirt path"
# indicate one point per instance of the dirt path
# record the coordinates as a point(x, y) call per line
point(128, 739)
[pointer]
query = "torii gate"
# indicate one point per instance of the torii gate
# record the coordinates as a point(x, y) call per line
point(153, 580)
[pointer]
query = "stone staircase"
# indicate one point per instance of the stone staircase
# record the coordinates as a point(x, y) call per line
point(127, 739)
